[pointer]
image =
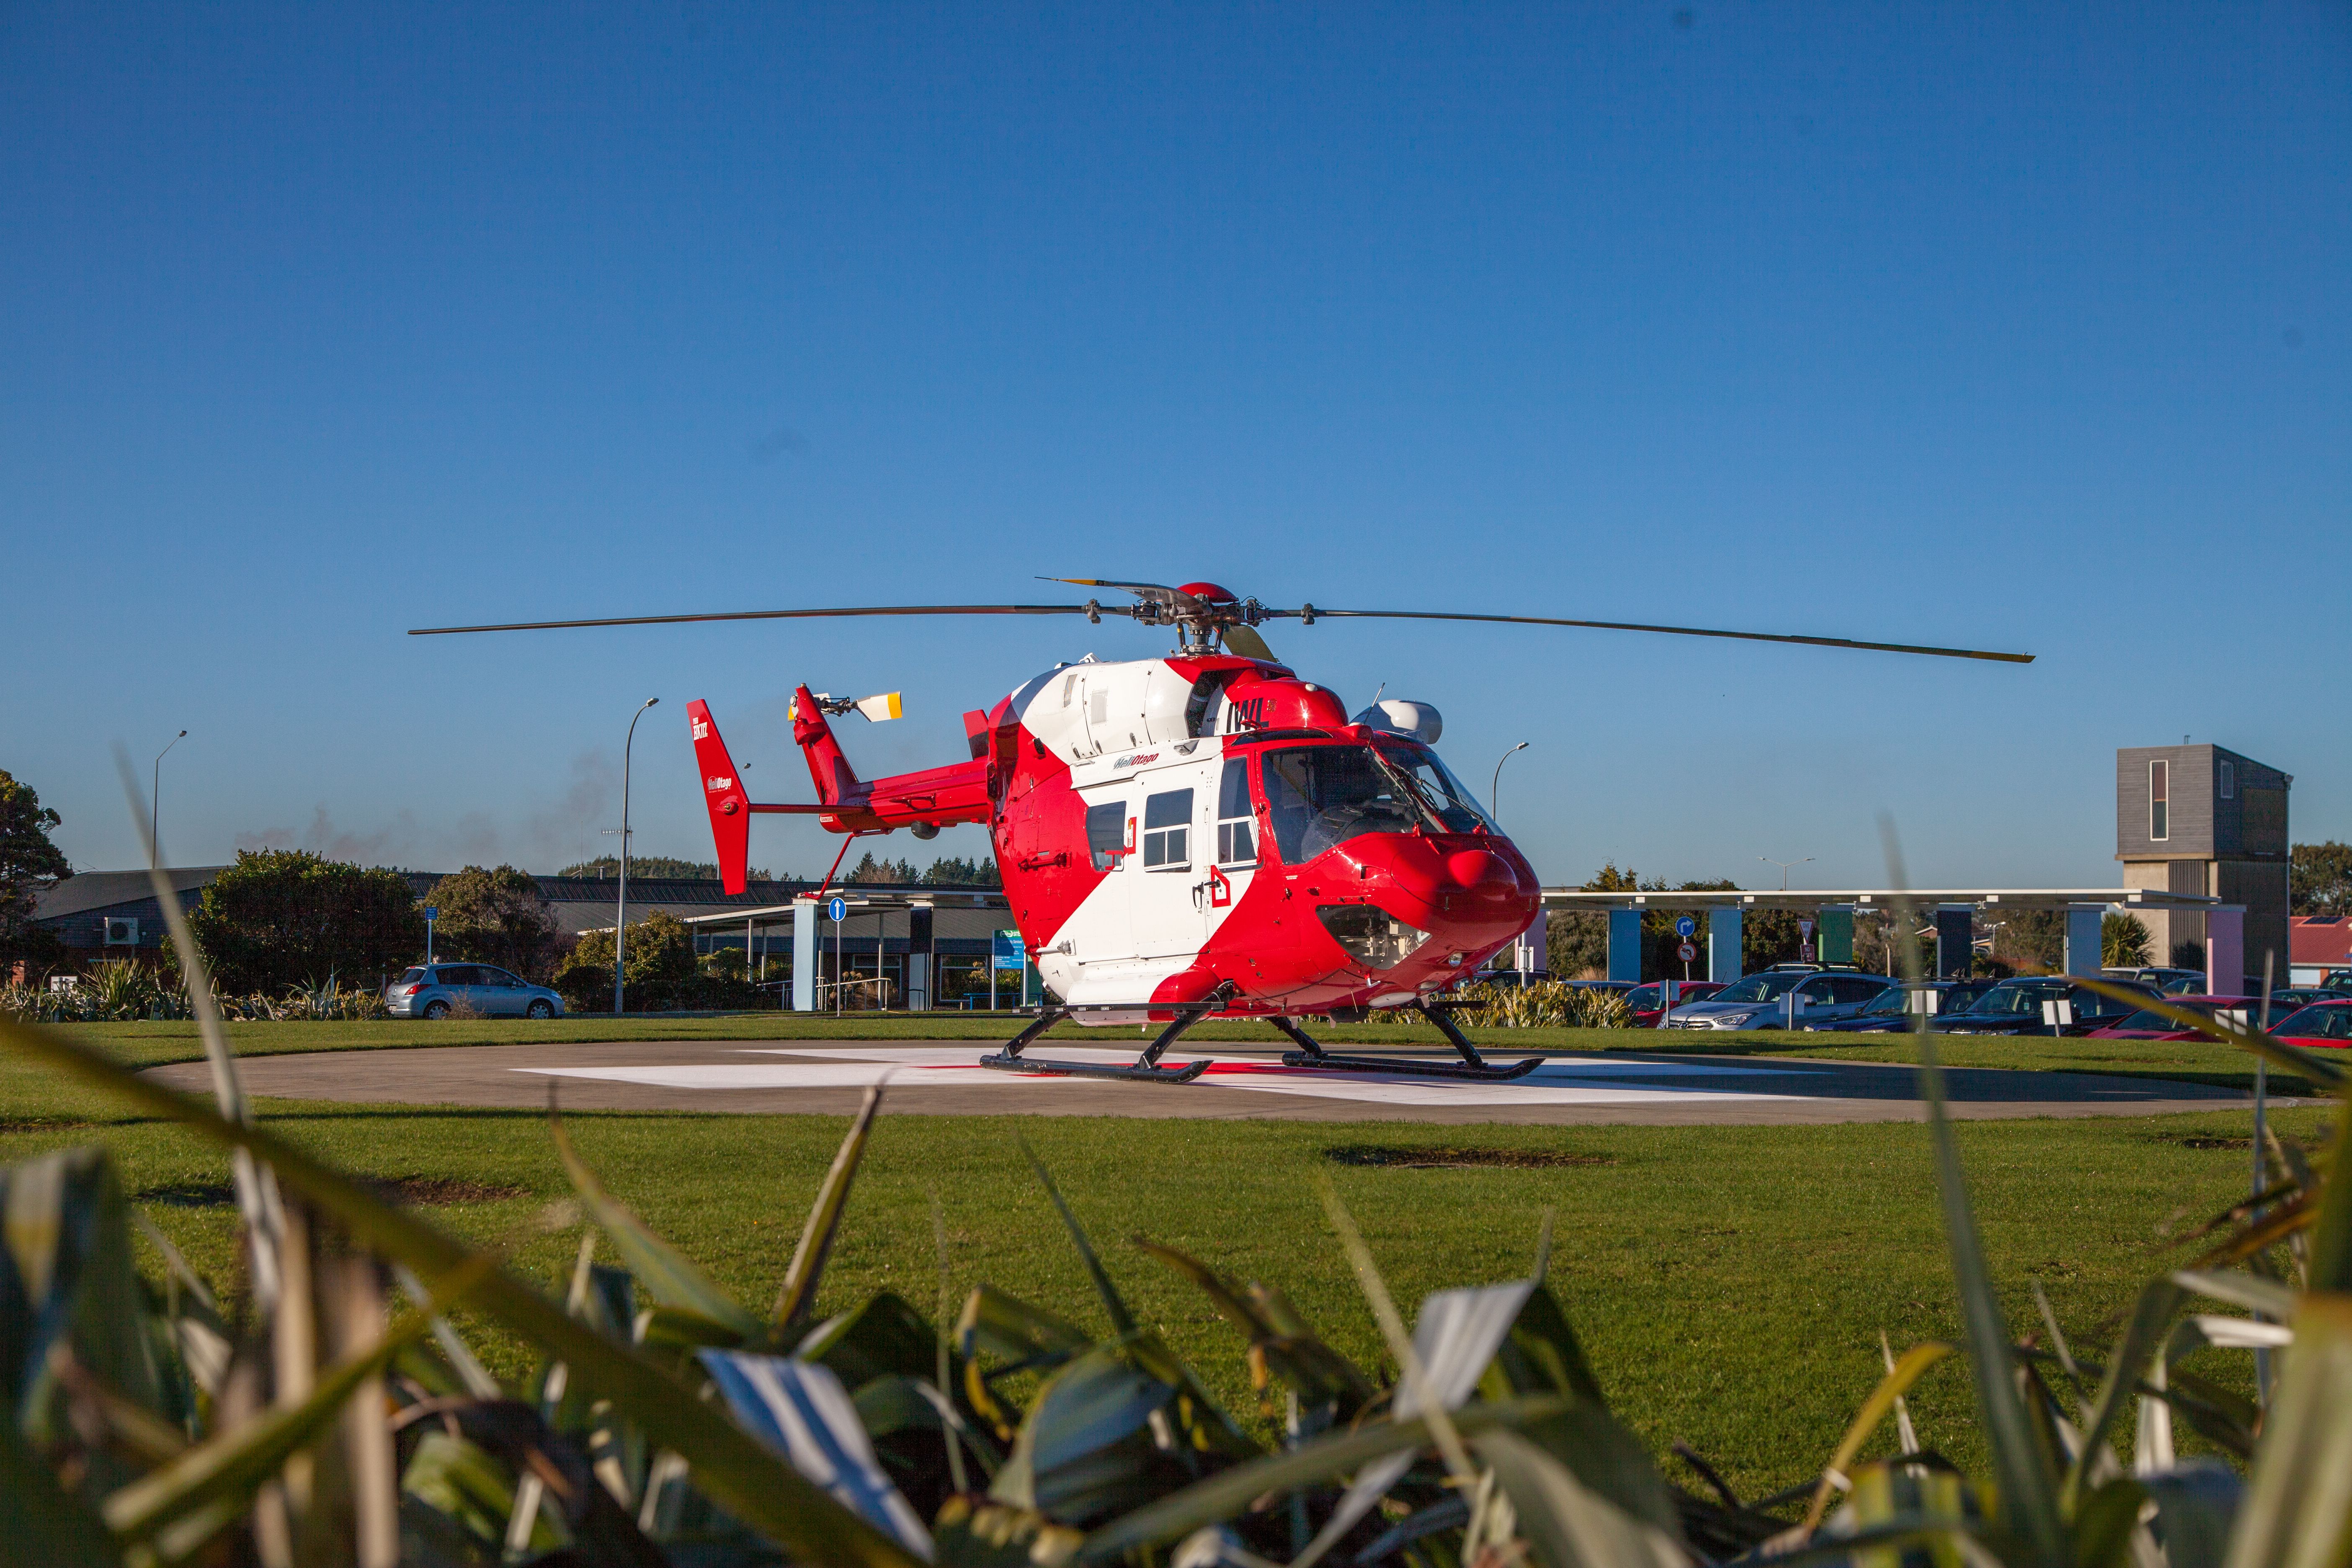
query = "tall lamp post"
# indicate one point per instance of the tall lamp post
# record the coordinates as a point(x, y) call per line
point(621, 910)
point(154, 800)
point(1784, 866)
point(1492, 810)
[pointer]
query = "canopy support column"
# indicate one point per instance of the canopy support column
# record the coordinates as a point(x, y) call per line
point(1724, 931)
point(2083, 938)
point(1625, 945)
point(804, 957)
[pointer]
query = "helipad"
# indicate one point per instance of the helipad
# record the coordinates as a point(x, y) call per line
point(942, 1078)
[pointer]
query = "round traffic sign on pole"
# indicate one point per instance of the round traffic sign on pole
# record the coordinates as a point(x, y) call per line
point(1685, 927)
point(1686, 952)
point(837, 910)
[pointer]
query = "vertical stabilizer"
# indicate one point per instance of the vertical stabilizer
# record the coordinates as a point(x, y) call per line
point(830, 771)
point(723, 795)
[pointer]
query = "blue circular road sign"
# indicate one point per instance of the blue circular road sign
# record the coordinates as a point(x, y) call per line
point(1685, 926)
point(838, 910)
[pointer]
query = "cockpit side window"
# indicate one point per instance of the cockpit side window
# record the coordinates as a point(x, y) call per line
point(1236, 821)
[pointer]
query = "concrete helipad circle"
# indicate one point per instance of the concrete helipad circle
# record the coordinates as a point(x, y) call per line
point(942, 1078)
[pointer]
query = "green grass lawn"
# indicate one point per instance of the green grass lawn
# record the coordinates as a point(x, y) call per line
point(1730, 1283)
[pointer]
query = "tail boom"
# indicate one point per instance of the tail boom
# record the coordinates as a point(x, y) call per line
point(936, 798)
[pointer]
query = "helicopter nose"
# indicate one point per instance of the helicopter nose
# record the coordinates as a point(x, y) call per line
point(1478, 870)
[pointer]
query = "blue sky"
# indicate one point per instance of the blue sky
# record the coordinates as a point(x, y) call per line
point(2019, 327)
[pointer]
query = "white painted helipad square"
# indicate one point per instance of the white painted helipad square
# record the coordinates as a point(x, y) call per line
point(1569, 1081)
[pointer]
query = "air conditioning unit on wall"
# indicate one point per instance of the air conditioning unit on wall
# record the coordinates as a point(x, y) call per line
point(121, 931)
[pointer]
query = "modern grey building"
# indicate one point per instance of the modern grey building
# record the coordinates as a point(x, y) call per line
point(2205, 820)
point(100, 915)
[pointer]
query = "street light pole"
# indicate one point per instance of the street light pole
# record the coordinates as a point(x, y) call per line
point(1498, 783)
point(155, 802)
point(620, 908)
point(1784, 866)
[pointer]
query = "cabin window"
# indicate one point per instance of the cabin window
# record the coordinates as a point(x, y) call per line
point(1168, 830)
point(1106, 834)
point(2159, 802)
point(2229, 780)
point(1236, 824)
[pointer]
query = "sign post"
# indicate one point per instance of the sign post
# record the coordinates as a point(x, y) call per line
point(432, 914)
point(1805, 948)
point(1685, 928)
point(837, 910)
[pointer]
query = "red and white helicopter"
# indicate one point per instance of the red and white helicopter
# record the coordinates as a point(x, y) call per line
point(1202, 834)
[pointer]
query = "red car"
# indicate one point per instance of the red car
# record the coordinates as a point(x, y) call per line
point(2321, 1023)
point(2147, 1025)
point(1646, 1003)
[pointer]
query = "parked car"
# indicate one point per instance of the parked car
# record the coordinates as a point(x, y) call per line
point(1760, 1001)
point(2321, 1023)
point(2014, 1007)
point(2165, 980)
point(2286, 998)
point(435, 992)
point(1646, 1000)
point(2152, 1025)
point(1891, 1010)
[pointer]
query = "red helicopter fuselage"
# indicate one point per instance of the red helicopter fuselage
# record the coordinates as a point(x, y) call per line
point(1199, 829)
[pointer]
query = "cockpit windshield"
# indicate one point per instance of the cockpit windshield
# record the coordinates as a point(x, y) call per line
point(1320, 796)
point(1456, 806)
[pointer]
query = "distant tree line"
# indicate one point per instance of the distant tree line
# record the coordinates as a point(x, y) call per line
point(2320, 879)
point(651, 866)
point(947, 871)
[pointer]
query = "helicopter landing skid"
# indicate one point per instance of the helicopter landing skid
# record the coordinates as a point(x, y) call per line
point(1472, 1067)
point(1146, 1067)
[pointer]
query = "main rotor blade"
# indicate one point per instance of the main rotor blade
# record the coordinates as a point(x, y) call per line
point(782, 616)
point(1319, 613)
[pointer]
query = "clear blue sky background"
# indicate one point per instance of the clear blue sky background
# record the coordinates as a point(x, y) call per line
point(2023, 327)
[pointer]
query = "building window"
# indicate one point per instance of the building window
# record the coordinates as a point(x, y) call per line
point(2160, 789)
point(1168, 830)
point(2229, 780)
point(1236, 825)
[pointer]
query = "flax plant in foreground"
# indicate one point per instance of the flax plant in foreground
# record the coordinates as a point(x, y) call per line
point(670, 1422)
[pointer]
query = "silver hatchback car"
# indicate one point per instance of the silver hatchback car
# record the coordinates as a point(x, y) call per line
point(1762, 1000)
point(435, 991)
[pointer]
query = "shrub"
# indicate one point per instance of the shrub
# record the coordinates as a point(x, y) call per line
point(496, 916)
point(2123, 942)
point(662, 970)
point(280, 916)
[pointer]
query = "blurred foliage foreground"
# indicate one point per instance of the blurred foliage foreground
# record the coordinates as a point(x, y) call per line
point(337, 1416)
